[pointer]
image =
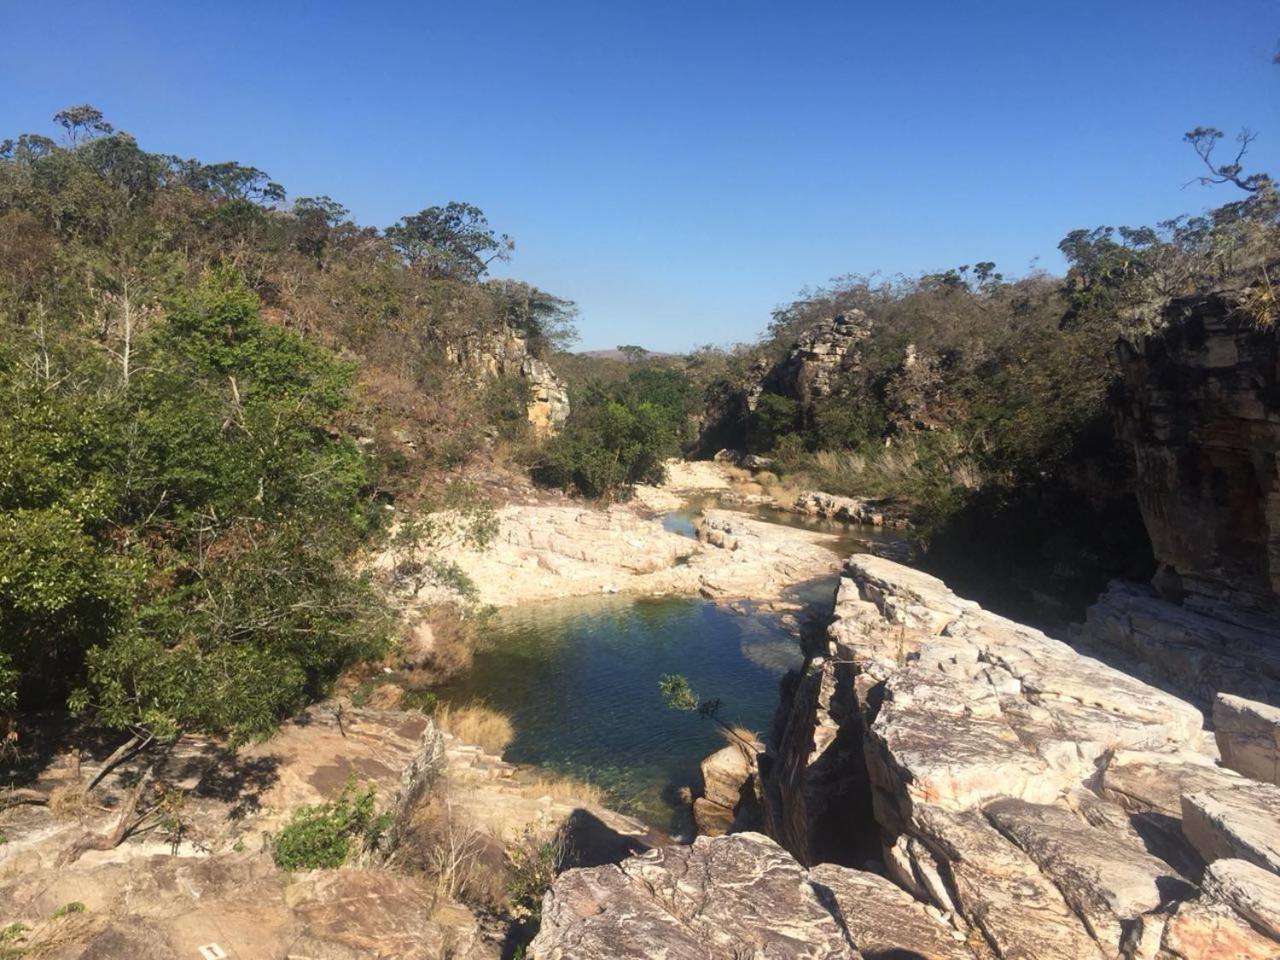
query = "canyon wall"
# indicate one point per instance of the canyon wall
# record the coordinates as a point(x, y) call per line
point(1199, 405)
point(506, 353)
point(1044, 802)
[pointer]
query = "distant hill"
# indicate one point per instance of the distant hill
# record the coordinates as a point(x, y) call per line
point(616, 354)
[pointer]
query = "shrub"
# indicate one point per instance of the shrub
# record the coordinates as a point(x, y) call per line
point(422, 700)
point(533, 863)
point(75, 906)
point(327, 835)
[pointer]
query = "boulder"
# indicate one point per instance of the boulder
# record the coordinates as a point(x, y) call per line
point(1251, 891)
point(732, 897)
point(1241, 822)
point(729, 789)
point(1248, 735)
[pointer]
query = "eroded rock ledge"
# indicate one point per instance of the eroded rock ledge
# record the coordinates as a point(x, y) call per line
point(1038, 798)
point(545, 552)
point(732, 897)
point(1008, 797)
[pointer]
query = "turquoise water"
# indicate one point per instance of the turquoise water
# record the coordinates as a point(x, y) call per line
point(579, 679)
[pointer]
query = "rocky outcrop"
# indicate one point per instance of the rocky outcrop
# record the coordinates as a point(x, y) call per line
point(1195, 653)
point(506, 353)
point(1199, 406)
point(732, 897)
point(874, 512)
point(1039, 799)
point(1248, 736)
point(815, 361)
point(730, 798)
point(545, 552)
point(810, 370)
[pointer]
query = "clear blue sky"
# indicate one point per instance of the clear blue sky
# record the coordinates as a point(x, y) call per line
point(679, 169)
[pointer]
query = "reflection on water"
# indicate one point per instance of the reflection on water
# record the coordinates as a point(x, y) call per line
point(579, 679)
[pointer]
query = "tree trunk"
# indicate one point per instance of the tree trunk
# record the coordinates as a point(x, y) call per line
point(122, 753)
point(124, 825)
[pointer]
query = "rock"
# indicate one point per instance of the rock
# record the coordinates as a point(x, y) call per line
point(732, 897)
point(1240, 822)
point(1105, 875)
point(552, 552)
point(1248, 736)
point(1026, 789)
point(1199, 406)
point(883, 920)
point(506, 353)
point(1251, 892)
point(755, 462)
point(1198, 654)
point(1206, 930)
point(877, 513)
point(730, 790)
point(818, 357)
point(810, 370)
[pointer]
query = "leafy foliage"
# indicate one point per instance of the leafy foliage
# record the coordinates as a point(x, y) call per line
point(191, 464)
point(329, 834)
point(620, 433)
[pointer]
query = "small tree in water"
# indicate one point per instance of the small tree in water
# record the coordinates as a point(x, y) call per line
point(678, 695)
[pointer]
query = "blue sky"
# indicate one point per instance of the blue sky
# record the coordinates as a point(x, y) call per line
point(679, 169)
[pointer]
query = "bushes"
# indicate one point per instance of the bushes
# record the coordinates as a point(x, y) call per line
point(329, 834)
point(619, 434)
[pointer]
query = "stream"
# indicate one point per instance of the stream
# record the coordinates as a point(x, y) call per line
point(579, 679)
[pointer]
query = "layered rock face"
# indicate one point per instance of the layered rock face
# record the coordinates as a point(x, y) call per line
point(1040, 800)
point(816, 359)
point(506, 353)
point(809, 371)
point(733, 897)
point(1200, 407)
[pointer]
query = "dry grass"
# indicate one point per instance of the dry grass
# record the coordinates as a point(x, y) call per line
point(71, 801)
point(476, 723)
point(747, 741)
point(441, 645)
point(564, 789)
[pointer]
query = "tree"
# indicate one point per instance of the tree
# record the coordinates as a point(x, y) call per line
point(678, 695)
point(82, 123)
point(1204, 139)
point(450, 241)
point(633, 353)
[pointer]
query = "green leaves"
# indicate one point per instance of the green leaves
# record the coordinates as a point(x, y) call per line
point(619, 434)
point(176, 556)
point(327, 835)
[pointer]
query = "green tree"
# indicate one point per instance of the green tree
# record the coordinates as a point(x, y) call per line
point(450, 241)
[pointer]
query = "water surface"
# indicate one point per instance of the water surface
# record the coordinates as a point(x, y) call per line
point(579, 679)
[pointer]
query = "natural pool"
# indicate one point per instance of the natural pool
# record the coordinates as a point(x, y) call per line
point(579, 679)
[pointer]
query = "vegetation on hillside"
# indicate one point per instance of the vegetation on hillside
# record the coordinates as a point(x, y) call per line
point(208, 396)
point(619, 432)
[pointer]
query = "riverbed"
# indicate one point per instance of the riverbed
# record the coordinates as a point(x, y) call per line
point(579, 680)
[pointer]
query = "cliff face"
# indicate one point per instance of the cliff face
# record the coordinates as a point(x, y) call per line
point(807, 372)
point(1042, 802)
point(506, 353)
point(1200, 406)
point(810, 368)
